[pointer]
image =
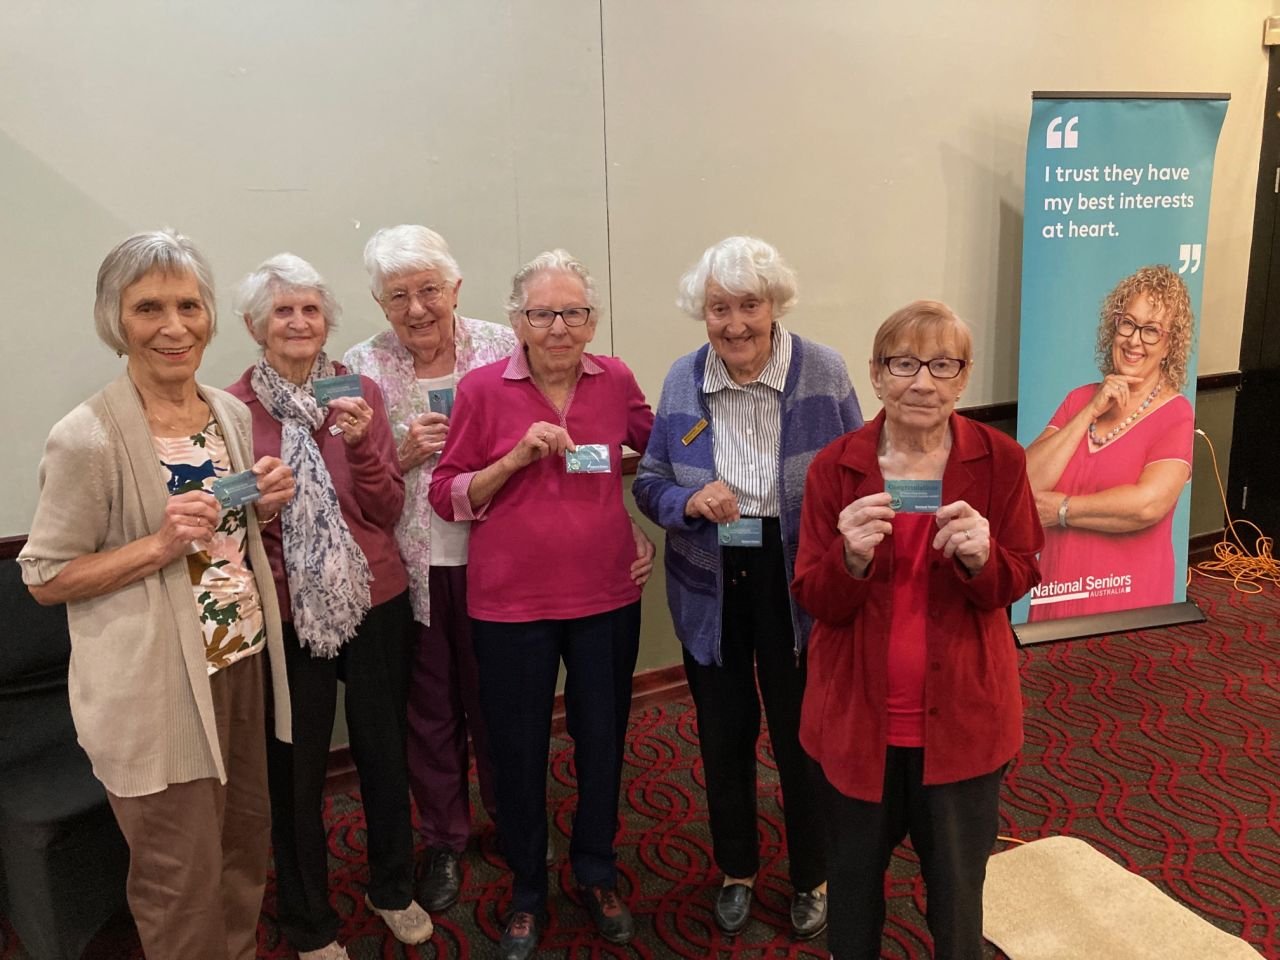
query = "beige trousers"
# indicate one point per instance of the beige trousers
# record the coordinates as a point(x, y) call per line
point(198, 850)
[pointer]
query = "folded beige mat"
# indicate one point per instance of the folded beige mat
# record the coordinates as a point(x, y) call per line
point(1060, 899)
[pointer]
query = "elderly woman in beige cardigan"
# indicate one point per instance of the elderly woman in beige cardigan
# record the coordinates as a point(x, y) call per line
point(170, 603)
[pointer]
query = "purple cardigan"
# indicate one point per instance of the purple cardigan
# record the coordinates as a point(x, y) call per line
point(818, 405)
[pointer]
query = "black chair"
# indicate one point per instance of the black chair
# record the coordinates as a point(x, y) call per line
point(63, 861)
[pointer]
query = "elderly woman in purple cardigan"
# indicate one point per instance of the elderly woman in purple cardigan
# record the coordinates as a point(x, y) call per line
point(739, 421)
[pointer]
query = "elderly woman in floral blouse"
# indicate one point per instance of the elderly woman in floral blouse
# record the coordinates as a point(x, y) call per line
point(417, 362)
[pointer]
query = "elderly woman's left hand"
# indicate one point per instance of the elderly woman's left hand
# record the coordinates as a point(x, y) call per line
point(354, 417)
point(275, 487)
point(643, 565)
point(964, 534)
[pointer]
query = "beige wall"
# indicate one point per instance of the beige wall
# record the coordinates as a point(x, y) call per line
point(879, 145)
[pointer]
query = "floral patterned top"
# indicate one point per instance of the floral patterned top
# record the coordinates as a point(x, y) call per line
point(384, 359)
point(226, 593)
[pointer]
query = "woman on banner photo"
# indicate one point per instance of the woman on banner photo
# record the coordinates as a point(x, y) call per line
point(1110, 465)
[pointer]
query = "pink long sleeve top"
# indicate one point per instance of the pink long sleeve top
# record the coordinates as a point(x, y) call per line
point(550, 544)
point(366, 478)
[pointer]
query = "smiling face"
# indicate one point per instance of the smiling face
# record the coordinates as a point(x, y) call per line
point(740, 329)
point(295, 330)
point(1129, 355)
point(921, 403)
point(424, 320)
point(555, 350)
point(166, 328)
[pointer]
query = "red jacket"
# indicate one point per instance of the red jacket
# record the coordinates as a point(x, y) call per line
point(973, 704)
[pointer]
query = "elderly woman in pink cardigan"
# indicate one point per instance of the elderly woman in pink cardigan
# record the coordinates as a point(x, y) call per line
point(417, 362)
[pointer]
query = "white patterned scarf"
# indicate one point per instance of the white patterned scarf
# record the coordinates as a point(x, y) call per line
point(328, 572)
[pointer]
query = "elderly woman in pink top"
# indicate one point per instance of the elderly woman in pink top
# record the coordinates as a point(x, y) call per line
point(534, 457)
point(417, 362)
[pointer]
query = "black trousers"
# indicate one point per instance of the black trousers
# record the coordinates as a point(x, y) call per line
point(519, 663)
point(374, 666)
point(952, 827)
point(757, 644)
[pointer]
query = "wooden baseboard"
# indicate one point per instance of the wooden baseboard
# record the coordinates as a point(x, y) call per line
point(1200, 547)
point(647, 688)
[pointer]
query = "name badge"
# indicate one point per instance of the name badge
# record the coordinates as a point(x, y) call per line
point(441, 401)
point(236, 490)
point(744, 532)
point(914, 496)
point(588, 458)
point(327, 388)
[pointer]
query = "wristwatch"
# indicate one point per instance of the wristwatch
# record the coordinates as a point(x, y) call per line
point(1062, 511)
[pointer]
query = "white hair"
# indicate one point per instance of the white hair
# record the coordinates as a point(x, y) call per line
point(129, 261)
point(742, 266)
point(408, 248)
point(256, 293)
point(549, 261)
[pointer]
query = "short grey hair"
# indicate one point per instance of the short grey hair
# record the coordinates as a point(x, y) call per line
point(408, 248)
point(549, 261)
point(742, 265)
point(256, 293)
point(166, 251)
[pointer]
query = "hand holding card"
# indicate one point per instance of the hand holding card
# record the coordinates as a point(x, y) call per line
point(863, 525)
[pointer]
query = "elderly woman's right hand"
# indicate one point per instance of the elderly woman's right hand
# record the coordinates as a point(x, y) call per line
point(189, 517)
point(715, 502)
point(542, 439)
point(863, 525)
point(424, 440)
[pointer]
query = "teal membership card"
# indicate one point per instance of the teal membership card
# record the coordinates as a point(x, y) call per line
point(588, 458)
point(327, 388)
point(914, 496)
point(744, 532)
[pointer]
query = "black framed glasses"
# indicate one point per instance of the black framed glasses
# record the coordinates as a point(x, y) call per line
point(940, 368)
point(1149, 333)
point(572, 316)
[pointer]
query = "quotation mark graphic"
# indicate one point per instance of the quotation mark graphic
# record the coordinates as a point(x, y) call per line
point(1056, 139)
point(1189, 257)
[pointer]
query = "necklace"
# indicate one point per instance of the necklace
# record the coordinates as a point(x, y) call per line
point(1123, 424)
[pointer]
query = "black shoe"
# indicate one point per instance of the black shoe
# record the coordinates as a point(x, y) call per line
point(733, 906)
point(520, 938)
point(440, 880)
point(808, 914)
point(609, 914)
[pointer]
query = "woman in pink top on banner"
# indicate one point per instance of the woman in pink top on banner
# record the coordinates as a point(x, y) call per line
point(533, 458)
point(1109, 467)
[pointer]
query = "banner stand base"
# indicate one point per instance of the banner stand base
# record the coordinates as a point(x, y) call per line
point(1121, 621)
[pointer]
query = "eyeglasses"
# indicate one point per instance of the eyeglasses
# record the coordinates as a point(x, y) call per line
point(572, 316)
point(940, 368)
point(1150, 333)
point(399, 301)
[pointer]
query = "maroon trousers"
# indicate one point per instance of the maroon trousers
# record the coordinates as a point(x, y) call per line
point(444, 704)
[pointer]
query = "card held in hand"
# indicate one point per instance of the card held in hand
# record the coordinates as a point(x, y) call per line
point(588, 458)
point(327, 388)
point(236, 489)
point(743, 532)
point(441, 401)
point(914, 496)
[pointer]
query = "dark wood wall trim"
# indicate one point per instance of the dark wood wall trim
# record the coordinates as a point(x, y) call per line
point(10, 546)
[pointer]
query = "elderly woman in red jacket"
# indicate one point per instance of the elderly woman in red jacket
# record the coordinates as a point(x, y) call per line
point(916, 532)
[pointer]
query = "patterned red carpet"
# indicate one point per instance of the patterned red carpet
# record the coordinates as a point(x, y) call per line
point(1161, 749)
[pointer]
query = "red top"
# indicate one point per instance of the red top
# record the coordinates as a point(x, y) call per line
point(366, 478)
point(912, 545)
point(1086, 571)
point(550, 545)
point(972, 701)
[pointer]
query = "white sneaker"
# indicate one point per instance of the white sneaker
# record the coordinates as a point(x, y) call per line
point(333, 951)
point(410, 925)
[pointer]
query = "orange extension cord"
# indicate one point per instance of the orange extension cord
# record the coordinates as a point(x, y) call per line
point(1232, 561)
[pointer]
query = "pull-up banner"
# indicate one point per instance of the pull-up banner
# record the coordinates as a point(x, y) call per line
point(1113, 258)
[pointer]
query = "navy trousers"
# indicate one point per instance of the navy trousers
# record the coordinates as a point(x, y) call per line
point(519, 663)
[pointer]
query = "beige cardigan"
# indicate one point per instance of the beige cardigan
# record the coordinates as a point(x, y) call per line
point(139, 682)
